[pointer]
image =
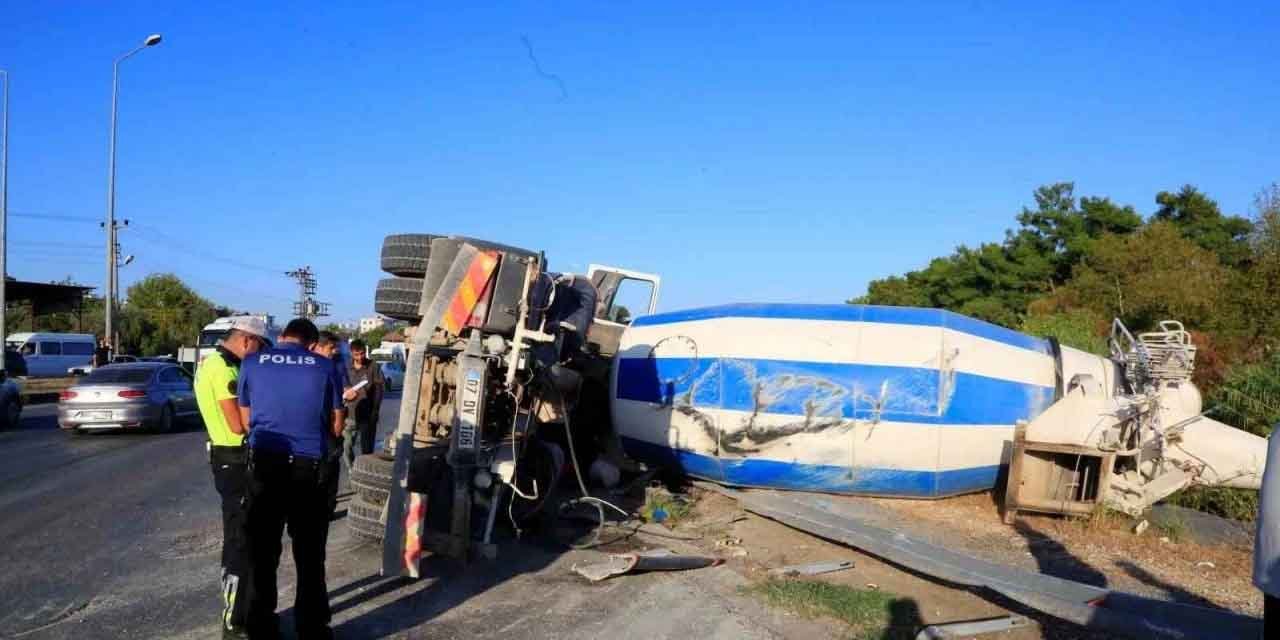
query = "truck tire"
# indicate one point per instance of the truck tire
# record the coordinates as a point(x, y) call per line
point(398, 298)
point(406, 254)
point(364, 520)
point(443, 252)
point(371, 478)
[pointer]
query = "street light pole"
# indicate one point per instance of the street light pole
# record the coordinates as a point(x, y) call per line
point(4, 216)
point(109, 300)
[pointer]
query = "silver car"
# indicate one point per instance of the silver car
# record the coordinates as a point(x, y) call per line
point(128, 396)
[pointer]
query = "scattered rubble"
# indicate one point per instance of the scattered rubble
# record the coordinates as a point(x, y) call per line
point(655, 560)
point(812, 568)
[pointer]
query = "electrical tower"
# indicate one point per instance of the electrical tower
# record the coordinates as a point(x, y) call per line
point(307, 306)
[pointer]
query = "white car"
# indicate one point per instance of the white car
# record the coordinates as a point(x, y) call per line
point(393, 373)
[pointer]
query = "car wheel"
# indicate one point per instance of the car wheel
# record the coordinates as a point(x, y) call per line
point(398, 298)
point(12, 414)
point(406, 254)
point(165, 423)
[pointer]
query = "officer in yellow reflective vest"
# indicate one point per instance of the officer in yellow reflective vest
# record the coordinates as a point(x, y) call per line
point(216, 380)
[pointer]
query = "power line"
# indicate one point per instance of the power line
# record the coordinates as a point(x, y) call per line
point(53, 245)
point(236, 288)
point(53, 216)
point(163, 240)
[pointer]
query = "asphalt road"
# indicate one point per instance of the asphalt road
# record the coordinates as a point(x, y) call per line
point(112, 535)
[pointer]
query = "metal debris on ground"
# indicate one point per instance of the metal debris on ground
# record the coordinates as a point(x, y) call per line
point(655, 560)
point(729, 542)
point(973, 628)
point(1100, 609)
point(812, 568)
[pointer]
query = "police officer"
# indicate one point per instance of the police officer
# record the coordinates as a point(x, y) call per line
point(215, 388)
point(329, 346)
point(292, 401)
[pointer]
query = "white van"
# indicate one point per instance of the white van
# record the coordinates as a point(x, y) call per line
point(52, 354)
point(390, 356)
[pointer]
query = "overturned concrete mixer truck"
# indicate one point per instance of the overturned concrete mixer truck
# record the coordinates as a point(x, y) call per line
point(518, 378)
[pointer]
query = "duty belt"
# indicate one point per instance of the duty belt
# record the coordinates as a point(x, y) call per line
point(220, 454)
point(271, 457)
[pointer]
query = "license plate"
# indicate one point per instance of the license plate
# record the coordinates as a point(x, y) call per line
point(94, 415)
point(469, 410)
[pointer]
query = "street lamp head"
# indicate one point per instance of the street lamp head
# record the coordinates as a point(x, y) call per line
point(152, 40)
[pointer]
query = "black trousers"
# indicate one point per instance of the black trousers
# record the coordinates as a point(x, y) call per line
point(1270, 616)
point(232, 483)
point(368, 433)
point(293, 494)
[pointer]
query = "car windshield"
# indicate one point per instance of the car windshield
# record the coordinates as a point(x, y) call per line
point(119, 375)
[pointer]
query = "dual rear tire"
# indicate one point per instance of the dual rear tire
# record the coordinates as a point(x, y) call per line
point(371, 480)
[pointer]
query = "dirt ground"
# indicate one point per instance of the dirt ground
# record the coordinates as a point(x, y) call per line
point(1100, 551)
point(1161, 562)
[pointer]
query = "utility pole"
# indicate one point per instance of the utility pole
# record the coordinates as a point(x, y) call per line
point(108, 300)
point(121, 261)
point(4, 215)
point(307, 306)
point(112, 300)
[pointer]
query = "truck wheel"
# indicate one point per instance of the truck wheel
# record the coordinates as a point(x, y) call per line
point(398, 298)
point(371, 478)
point(364, 520)
point(406, 254)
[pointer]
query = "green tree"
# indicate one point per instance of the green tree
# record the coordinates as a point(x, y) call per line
point(1145, 277)
point(1082, 329)
point(337, 330)
point(373, 337)
point(1198, 218)
point(160, 314)
point(996, 282)
point(1257, 290)
point(1249, 397)
point(1057, 234)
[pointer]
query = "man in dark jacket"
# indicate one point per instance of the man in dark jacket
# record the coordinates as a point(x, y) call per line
point(363, 408)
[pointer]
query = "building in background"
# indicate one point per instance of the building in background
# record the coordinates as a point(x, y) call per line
point(373, 322)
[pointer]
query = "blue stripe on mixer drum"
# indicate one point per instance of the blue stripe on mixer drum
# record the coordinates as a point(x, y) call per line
point(830, 389)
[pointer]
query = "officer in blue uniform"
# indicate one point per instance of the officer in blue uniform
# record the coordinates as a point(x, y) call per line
point(292, 401)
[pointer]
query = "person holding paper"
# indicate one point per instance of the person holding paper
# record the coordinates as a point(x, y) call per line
point(364, 400)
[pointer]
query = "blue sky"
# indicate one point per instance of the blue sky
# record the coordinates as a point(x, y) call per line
point(765, 152)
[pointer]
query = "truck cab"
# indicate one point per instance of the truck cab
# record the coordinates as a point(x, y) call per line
point(622, 295)
point(213, 333)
